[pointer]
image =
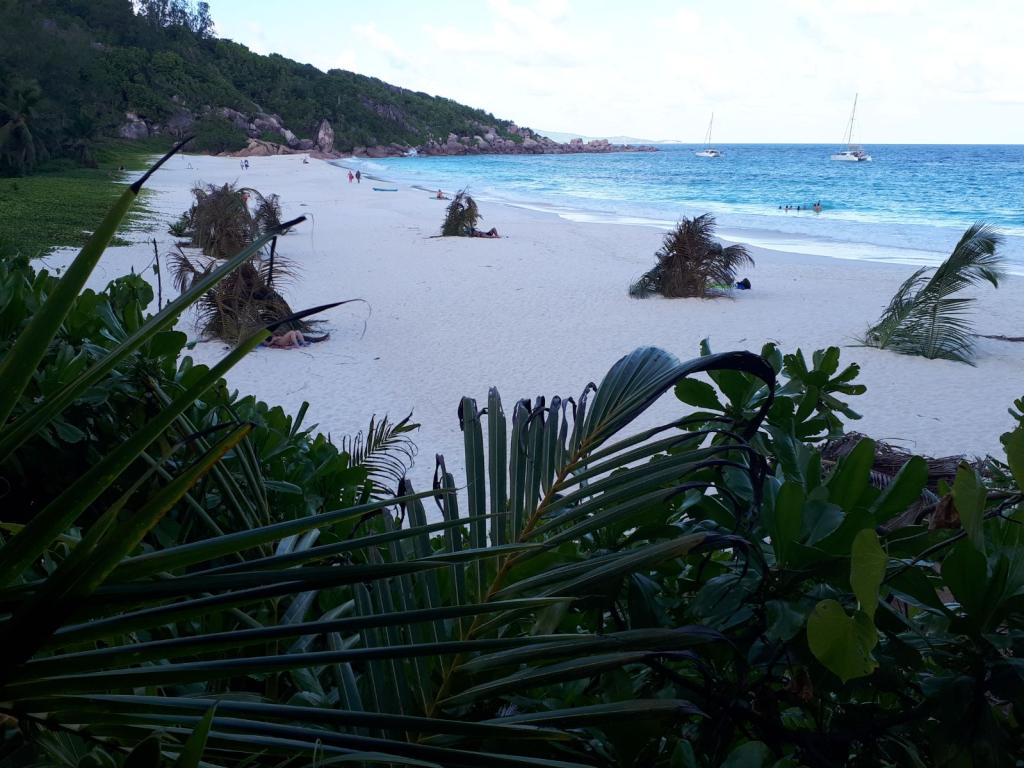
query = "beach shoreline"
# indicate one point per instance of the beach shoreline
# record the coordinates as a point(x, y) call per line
point(544, 311)
point(903, 208)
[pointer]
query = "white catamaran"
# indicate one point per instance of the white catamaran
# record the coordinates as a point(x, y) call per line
point(708, 150)
point(854, 153)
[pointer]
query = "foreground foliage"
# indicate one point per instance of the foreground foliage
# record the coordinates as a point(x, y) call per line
point(926, 317)
point(692, 263)
point(707, 592)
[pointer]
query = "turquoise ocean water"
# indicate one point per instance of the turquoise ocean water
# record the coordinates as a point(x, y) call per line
point(909, 205)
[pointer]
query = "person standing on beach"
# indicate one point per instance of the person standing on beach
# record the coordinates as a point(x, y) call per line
point(359, 178)
point(350, 177)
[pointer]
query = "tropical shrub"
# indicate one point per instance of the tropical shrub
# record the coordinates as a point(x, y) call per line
point(215, 135)
point(706, 592)
point(692, 263)
point(925, 317)
point(461, 216)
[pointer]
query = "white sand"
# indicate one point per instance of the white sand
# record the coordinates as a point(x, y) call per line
point(544, 310)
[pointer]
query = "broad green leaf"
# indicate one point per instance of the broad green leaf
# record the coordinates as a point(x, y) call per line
point(784, 620)
point(965, 572)
point(683, 756)
point(970, 496)
point(867, 569)
point(902, 491)
point(1013, 444)
point(785, 520)
point(699, 394)
point(753, 754)
point(843, 644)
point(192, 752)
point(852, 475)
point(819, 520)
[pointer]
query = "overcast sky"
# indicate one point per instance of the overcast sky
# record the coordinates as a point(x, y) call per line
point(928, 71)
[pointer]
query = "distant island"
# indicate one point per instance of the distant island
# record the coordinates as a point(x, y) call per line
point(78, 74)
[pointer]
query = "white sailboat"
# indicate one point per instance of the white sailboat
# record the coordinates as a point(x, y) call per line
point(708, 150)
point(854, 153)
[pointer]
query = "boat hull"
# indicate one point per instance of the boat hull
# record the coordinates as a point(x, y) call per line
point(708, 153)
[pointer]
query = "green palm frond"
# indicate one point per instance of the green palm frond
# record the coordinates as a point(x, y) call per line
point(924, 317)
point(385, 450)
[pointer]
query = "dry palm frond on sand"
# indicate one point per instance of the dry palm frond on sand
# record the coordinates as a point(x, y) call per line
point(461, 216)
point(241, 303)
point(692, 263)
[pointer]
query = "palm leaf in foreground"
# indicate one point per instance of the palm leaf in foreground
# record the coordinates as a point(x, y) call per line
point(428, 638)
point(385, 450)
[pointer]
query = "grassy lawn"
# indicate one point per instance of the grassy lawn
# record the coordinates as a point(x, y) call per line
point(61, 204)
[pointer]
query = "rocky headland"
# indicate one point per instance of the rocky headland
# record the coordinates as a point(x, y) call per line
point(510, 139)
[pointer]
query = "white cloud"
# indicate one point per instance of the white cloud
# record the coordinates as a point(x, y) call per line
point(785, 70)
point(383, 43)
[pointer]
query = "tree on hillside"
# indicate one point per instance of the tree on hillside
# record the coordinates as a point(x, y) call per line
point(18, 150)
point(692, 263)
point(194, 16)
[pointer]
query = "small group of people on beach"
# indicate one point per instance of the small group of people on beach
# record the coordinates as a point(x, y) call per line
point(816, 207)
point(244, 164)
point(357, 176)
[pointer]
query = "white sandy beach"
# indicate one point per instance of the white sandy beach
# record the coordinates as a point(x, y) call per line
point(544, 310)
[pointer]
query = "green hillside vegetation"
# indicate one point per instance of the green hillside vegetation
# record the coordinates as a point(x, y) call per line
point(70, 70)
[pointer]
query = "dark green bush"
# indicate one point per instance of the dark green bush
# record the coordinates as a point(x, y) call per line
point(216, 135)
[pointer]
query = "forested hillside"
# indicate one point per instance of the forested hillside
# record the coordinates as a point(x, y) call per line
point(75, 71)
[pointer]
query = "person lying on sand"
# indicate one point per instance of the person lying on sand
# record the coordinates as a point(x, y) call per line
point(292, 339)
point(286, 340)
point(474, 232)
point(441, 195)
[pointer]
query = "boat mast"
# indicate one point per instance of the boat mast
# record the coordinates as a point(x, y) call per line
point(707, 139)
point(849, 130)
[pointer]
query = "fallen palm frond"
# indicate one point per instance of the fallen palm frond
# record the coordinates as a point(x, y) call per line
point(890, 459)
point(244, 301)
point(220, 220)
point(692, 263)
point(461, 216)
point(267, 213)
point(925, 318)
